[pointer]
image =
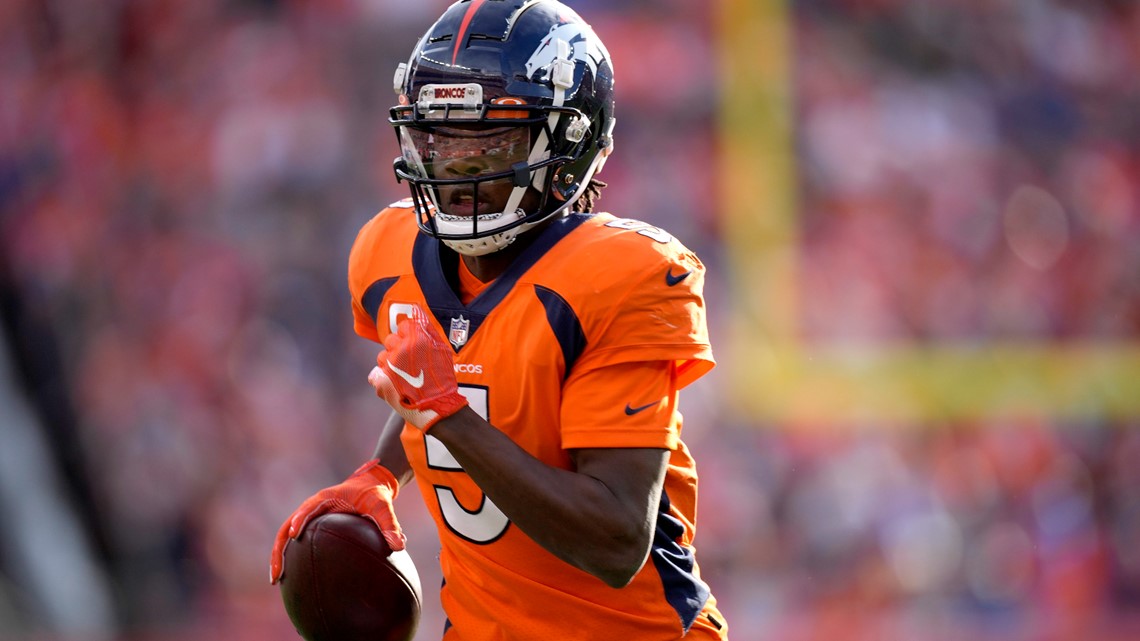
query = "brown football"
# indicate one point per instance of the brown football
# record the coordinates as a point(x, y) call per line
point(342, 582)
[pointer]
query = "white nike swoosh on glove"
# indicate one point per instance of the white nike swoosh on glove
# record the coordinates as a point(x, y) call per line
point(415, 381)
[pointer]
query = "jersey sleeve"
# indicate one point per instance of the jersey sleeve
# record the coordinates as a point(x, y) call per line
point(629, 404)
point(380, 254)
point(661, 316)
point(359, 258)
point(362, 322)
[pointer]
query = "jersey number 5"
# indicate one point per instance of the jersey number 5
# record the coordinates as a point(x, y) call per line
point(486, 522)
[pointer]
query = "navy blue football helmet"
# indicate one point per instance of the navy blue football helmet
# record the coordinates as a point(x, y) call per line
point(506, 111)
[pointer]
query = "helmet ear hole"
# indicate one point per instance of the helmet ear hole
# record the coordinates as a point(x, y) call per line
point(563, 185)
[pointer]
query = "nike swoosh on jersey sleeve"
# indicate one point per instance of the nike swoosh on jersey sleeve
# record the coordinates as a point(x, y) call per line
point(672, 280)
point(630, 411)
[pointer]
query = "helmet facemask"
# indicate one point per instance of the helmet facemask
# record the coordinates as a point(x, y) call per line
point(478, 182)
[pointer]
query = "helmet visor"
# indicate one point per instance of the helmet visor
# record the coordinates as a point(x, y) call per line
point(470, 170)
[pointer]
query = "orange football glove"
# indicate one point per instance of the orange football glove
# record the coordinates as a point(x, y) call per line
point(416, 374)
point(368, 492)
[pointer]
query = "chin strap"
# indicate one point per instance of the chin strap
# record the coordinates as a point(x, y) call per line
point(483, 246)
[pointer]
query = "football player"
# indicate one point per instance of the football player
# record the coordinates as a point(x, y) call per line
point(534, 351)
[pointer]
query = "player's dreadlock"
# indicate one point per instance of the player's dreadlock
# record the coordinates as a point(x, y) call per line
point(589, 197)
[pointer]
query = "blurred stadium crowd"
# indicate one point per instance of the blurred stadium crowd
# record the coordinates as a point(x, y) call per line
point(180, 183)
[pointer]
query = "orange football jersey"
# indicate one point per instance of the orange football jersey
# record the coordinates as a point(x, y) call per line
point(584, 342)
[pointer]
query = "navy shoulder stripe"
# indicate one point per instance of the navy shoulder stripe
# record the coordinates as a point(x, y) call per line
point(565, 324)
point(374, 295)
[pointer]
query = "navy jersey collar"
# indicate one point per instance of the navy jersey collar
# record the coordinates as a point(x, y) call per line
point(427, 261)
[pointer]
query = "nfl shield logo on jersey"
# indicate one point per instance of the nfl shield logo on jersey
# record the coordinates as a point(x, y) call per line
point(458, 333)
